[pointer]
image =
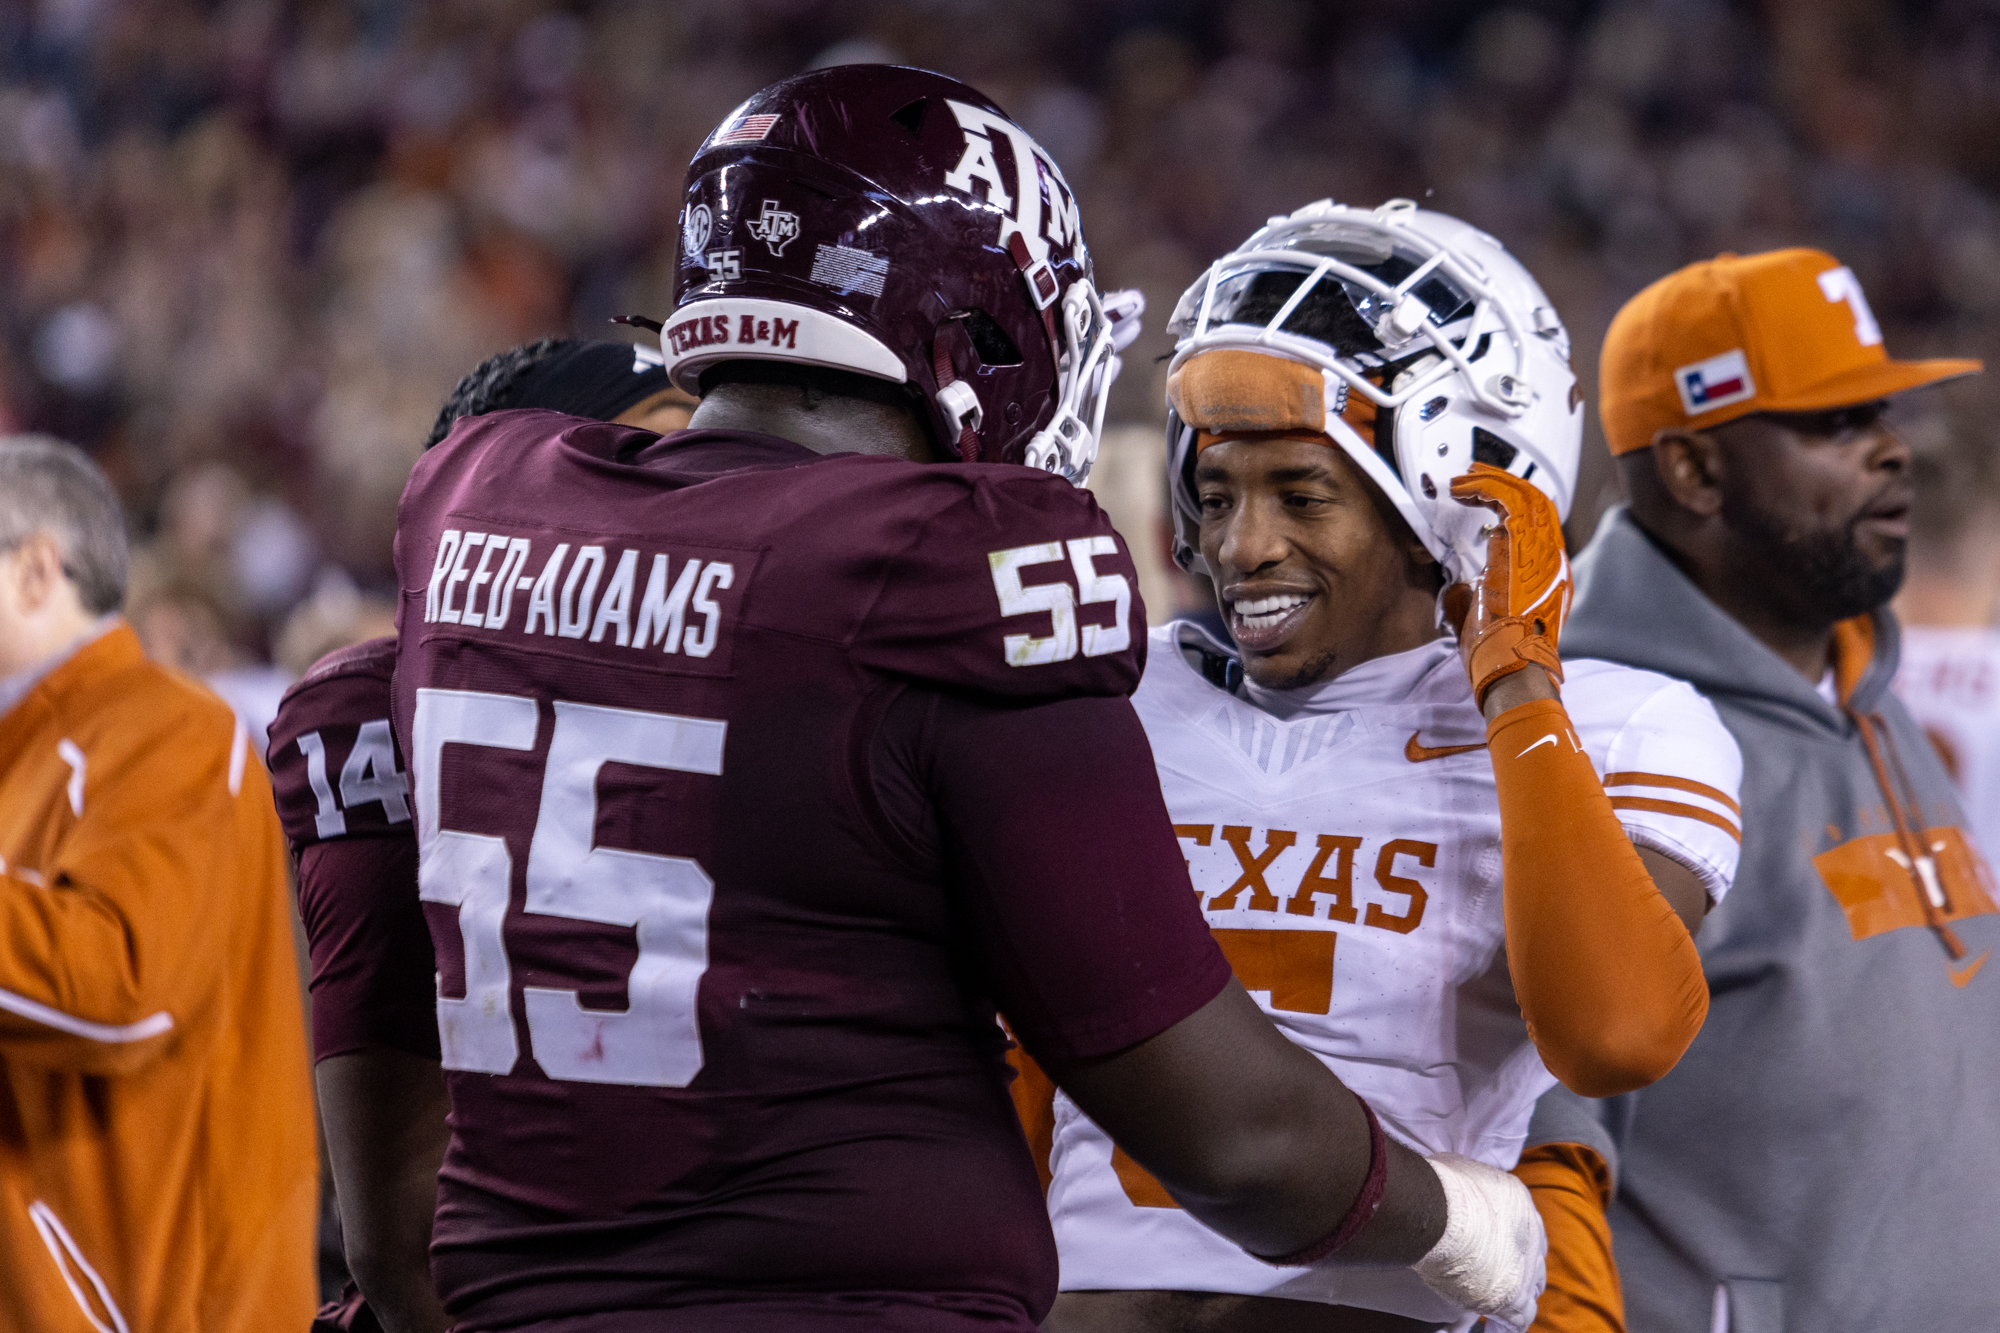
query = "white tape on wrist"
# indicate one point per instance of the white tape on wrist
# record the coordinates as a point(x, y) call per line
point(1491, 1257)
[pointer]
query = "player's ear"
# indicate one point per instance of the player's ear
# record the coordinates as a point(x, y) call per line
point(37, 570)
point(1420, 568)
point(1689, 467)
point(1424, 566)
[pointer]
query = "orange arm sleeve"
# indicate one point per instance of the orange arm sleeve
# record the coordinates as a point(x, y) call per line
point(1606, 975)
point(1571, 1186)
point(1035, 1102)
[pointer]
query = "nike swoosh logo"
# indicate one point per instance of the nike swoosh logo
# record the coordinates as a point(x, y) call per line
point(1417, 754)
point(1962, 975)
point(1546, 740)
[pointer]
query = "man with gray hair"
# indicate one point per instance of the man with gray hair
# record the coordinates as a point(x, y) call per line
point(157, 1164)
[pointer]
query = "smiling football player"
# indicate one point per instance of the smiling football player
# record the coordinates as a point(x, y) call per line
point(1451, 882)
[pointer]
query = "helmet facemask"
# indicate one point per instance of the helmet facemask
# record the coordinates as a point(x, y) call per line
point(1085, 370)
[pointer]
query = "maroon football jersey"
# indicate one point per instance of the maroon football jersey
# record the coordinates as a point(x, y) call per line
point(344, 799)
point(748, 781)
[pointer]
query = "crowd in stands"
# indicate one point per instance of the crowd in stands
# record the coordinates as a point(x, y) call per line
point(246, 246)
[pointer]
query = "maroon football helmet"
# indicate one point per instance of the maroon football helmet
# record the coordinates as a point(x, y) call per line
point(895, 223)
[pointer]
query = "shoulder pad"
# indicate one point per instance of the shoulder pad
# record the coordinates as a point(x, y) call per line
point(1015, 585)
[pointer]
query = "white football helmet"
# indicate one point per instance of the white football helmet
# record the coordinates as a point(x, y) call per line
point(1429, 318)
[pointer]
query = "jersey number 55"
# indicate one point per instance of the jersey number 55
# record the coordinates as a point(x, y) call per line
point(656, 1040)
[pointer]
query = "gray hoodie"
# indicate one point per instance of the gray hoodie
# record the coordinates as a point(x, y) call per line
point(1826, 1157)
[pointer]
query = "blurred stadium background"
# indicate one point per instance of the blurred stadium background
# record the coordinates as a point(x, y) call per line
point(249, 245)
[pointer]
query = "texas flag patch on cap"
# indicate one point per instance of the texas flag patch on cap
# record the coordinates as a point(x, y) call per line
point(1716, 382)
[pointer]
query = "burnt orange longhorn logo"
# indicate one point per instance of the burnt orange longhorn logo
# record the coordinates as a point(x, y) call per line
point(1876, 884)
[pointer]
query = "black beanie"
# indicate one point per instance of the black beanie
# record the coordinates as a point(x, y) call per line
point(592, 379)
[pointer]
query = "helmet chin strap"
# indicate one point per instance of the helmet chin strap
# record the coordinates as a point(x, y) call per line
point(1083, 342)
point(957, 398)
point(1067, 445)
point(1041, 283)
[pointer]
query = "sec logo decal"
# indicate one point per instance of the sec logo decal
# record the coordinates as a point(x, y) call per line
point(695, 228)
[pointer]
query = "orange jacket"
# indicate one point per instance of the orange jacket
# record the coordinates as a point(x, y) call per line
point(158, 1171)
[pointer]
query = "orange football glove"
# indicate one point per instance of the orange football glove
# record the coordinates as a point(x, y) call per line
point(1513, 615)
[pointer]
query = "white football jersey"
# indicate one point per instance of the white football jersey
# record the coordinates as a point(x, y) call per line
point(1348, 858)
point(1949, 679)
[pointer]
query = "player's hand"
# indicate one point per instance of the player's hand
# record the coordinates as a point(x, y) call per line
point(1512, 617)
point(1493, 1253)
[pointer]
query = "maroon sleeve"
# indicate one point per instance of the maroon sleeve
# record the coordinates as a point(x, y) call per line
point(1072, 884)
point(373, 974)
point(1016, 585)
point(343, 796)
point(336, 770)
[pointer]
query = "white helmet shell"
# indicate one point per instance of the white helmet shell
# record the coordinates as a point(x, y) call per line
point(1432, 320)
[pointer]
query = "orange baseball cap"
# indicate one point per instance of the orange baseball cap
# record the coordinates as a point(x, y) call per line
point(1784, 331)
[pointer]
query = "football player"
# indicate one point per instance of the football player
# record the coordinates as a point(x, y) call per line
point(753, 766)
point(1436, 872)
point(339, 781)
